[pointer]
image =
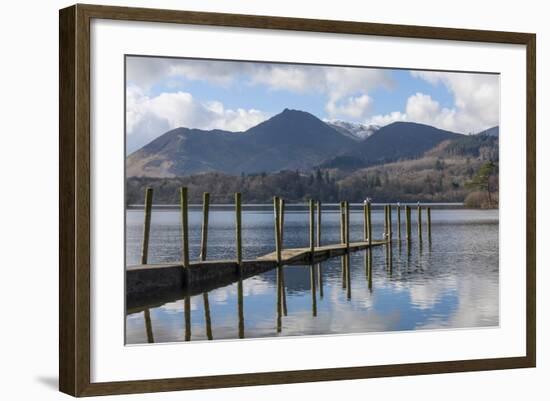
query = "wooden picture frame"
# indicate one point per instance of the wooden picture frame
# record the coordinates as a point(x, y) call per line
point(74, 199)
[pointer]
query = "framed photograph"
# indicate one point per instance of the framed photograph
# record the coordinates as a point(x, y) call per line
point(250, 200)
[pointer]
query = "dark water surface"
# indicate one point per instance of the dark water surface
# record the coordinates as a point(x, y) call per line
point(450, 282)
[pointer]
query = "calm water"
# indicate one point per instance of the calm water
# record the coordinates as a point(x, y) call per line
point(452, 282)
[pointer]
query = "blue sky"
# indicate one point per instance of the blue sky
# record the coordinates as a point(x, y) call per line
point(166, 93)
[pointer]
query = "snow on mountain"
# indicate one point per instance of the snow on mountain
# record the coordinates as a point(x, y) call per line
point(355, 131)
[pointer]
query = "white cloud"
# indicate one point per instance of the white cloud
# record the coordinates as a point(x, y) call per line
point(476, 103)
point(148, 117)
point(346, 88)
point(353, 107)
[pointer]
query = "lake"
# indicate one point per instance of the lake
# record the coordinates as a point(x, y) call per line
point(449, 282)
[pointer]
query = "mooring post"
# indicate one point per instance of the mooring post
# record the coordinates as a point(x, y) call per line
point(408, 222)
point(146, 224)
point(365, 223)
point(343, 240)
point(184, 227)
point(429, 211)
point(369, 225)
point(386, 228)
point(282, 220)
point(204, 231)
point(390, 224)
point(419, 222)
point(238, 230)
point(342, 227)
point(277, 225)
point(312, 229)
point(347, 226)
point(399, 222)
point(281, 233)
point(319, 213)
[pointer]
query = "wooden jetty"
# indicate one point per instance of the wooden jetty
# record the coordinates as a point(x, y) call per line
point(149, 284)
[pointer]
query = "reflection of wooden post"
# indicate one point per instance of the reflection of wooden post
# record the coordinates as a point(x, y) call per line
point(369, 224)
point(370, 268)
point(399, 222)
point(204, 231)
point(240, 302)
point(419, 220)
point(184, 226)
point(148, 326)
point(429, 211)
point(320, 275)
point(207, 319)
point(313, 290)
point(238, 229)
point(146, 224)
point(187, 313)
point(279, 299)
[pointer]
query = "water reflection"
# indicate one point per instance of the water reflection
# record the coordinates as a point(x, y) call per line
point(449, 282)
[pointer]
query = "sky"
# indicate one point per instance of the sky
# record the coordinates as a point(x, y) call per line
point(167, 93)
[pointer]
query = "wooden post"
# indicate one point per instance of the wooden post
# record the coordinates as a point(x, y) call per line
point(419, 222)
point(408, 222)
point(342, 227)
point(319, 213)
point(386, 229)
point(369, 225)
point(184, 226)
point(146, 224)
point(277, 225)
point(343, 240)
point(429, 211)
point(204, 231)
point(346, 233)
point(202, 256)
point(398, 208)
point(365, 223)
point(390, 228)
point(312, 229)
point(281, 233)
point(238, 229)
point(282, 220)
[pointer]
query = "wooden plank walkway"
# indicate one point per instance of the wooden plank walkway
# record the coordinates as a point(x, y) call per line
point(302, 255)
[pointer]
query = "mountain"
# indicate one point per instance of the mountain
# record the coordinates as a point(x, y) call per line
point(355, 131)
point(399, 140)
point(288, 141)
point(493, 131)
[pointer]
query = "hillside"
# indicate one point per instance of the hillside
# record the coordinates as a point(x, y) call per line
point(291, 140)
